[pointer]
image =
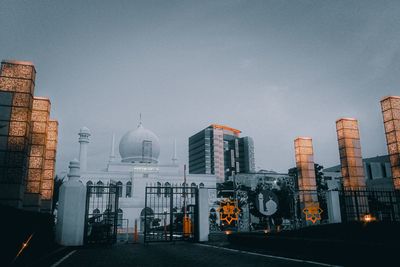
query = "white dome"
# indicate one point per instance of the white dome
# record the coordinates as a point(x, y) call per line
point(84, 130)
point(140, 145)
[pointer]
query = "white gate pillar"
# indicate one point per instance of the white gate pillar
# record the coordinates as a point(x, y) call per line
point(203, 220)
point(333, 203)
point(71, 209)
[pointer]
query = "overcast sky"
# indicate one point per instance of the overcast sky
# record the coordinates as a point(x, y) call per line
point(273, 69)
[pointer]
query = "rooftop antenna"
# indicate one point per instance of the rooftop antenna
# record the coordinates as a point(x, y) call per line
point(174, 158)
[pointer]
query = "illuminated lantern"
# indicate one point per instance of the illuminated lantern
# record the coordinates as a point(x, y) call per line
point(391, 119)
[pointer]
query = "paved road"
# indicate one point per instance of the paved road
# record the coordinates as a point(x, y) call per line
point(179, 254)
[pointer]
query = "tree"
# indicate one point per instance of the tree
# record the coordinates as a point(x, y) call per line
point(226, 189)
point(319, 176)
point(322, 187)
point(56, 189)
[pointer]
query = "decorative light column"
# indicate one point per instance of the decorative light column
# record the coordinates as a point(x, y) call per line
point(391, 119)
point(17, 83)
point(39, 122)
point(352, 168)
point(306, 178)
point(47, 184)
point(350, 153)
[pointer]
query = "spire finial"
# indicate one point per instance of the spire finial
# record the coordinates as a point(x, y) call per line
point(112, 154)
point(140, 119)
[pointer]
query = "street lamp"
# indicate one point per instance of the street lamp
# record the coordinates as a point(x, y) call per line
point(165, 223)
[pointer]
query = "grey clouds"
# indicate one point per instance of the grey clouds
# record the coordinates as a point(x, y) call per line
point(273, 69)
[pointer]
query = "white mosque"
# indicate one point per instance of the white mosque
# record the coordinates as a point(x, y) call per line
point(137, 168)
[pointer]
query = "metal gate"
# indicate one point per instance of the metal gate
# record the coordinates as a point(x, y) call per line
point(101, 217)
point(170, 214)
point(377, 205)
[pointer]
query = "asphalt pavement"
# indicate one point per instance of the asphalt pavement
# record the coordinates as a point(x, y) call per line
point(170, 254)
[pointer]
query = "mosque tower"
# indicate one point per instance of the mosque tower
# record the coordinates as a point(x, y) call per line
point(84, 135)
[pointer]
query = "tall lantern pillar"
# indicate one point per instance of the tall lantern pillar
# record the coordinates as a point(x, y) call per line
point(47, 184)
point(306, 178)
point(17, 84)
point(391, 119)
point(39, 123)
point(350, 153)
point(352, 168)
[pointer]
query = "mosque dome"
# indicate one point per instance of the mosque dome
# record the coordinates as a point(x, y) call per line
point(84, 130)
point(139, 145)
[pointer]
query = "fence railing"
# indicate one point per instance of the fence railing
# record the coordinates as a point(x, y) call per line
point(369, 205)
point(302, 208)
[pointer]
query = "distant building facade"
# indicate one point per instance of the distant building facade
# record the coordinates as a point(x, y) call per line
point(263, 177)
point(219, 150)
point(377, 171)
point(137, 168)
point(28, 140)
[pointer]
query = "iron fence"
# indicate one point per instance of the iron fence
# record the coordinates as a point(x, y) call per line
point(296, 209)
point(369, 205)
point(101, 218)
point(169, 214)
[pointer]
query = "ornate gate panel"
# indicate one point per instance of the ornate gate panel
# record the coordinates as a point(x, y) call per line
point(101, 219)
point(169, 214)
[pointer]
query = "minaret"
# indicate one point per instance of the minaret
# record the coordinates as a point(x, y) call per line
point(112, 155)
point(174, 158)
point(84, 134)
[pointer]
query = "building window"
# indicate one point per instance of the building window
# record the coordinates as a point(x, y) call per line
point(146, 151)
point(167, 189)
point(128, 189)
point(384, 174)
point(201, 185)
point(99, 189)
point(369, 172)
point(119, 185)
point(96, 215)
point(120, 217)
point(192, 189)
point(158, 189)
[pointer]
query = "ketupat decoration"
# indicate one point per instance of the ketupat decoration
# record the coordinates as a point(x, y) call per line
point(228, 211)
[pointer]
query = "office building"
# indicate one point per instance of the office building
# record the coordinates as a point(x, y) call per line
point(220, 150)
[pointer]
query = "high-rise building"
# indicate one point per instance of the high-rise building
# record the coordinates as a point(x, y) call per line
point(219, 150)
point(24, 121)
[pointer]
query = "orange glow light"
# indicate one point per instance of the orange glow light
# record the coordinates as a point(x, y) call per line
point(223, 127)
point(368, 218)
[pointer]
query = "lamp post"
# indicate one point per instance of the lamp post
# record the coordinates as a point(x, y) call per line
point(165, 223)
point(186, 223)
point(236, 199)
